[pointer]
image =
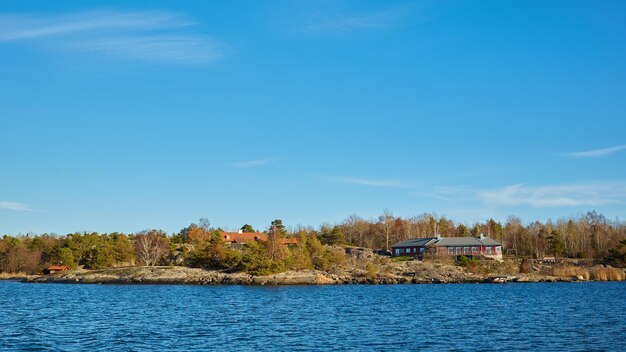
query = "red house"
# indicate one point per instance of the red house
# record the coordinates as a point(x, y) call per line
point(55, 268)
point(242, 238)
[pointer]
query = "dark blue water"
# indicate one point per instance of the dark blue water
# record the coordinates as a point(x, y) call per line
point(555, 317)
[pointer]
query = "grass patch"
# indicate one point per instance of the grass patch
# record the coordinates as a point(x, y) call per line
point(401, 259)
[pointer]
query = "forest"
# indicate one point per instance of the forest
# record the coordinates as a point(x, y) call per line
point(590, 236)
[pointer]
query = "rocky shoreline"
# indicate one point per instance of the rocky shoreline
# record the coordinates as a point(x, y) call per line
point(403, 274)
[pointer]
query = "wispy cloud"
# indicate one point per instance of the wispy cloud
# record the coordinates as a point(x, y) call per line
point(24, 27)
point(172, 48)
point(596, 152)
point(251, 163)
point(587, 194)
point(536, 196)
point(324, 23)
point(154, 36)
point(444, 193)
point(6, 205)
point(372, 182)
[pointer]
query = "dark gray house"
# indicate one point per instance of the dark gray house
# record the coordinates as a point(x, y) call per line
point(482, 246)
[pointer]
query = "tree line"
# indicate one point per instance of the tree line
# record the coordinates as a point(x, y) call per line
point(589, 236)
point(197, 245)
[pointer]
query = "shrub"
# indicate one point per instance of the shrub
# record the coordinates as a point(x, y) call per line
point(617, 256)
point(66, 257)
point(464, 261)
point(371, 269)
point(324, 258)
point(256, 260)
point(300, 257)
point(525, 267)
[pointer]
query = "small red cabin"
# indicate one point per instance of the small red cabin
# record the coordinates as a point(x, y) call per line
point(55, 269)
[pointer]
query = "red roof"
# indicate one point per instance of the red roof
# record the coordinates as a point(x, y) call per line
point(289, 240)
point(246, 237)
point(243, 237)
point(58, 267)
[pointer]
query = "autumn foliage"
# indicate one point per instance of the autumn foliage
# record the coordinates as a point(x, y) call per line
point(590, 236)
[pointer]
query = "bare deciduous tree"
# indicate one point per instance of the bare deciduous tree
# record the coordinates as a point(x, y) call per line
point(151, 246)
point(386, 221)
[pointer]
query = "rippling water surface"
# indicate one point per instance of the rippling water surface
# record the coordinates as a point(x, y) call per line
point(555, 317)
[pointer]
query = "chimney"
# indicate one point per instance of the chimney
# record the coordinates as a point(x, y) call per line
point(240, 231)
point(482, 237)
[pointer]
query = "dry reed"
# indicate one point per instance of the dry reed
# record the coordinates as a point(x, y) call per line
point(9, 276)
point(596, 273)
point(606, 274)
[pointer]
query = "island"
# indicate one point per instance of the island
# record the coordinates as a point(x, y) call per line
point(355, 252)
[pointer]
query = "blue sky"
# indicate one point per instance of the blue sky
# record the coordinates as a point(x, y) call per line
point(118, 117)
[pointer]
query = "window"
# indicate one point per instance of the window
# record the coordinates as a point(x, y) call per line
point(466, 250)
point(488, 249)
point(458, 250)
point(421, 249)
point(450, 250)
point(475, 249)
point(397, 251)
point(498, 249)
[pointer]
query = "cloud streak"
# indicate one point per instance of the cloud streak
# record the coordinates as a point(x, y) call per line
point(596, 153)
point(171, 48)
point(372, 182)
point(22, 27)
point(153, 36)
point(540, 196)
point(251, 163)
point(348, 23)
point(589, 194)
point(6, 205)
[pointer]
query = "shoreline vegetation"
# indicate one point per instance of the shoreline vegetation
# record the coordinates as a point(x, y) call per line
point(587, 248)
point(410, 272)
